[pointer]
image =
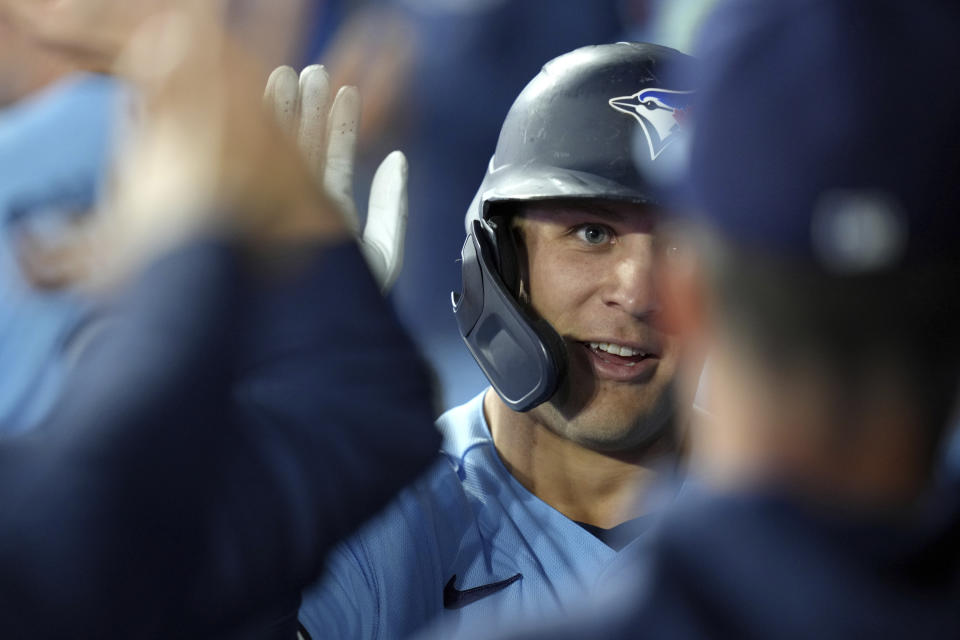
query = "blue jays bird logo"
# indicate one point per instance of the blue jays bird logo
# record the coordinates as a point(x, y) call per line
point(659, 111)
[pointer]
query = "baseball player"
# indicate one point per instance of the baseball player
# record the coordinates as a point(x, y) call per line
point(541, 484)
point(823, 272)
point(171, 493)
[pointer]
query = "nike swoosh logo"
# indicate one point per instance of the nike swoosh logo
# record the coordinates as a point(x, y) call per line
point(454, 598)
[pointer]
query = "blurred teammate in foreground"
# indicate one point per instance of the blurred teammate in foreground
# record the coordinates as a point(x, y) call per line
point(821, 270)
point(157, 501)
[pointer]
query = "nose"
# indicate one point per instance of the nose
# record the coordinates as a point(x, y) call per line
point(630, 286)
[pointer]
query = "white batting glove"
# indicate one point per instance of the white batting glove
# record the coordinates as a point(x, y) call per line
point(327, 136)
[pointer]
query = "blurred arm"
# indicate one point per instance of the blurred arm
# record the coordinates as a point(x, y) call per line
point(151, 504)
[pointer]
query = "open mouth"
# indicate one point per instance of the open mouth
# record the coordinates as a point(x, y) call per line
point(616, 353)
point(620, 362)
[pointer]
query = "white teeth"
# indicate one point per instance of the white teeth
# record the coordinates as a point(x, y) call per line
point(616, 350)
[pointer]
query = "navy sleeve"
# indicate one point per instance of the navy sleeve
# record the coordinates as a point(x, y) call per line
point(210, 449)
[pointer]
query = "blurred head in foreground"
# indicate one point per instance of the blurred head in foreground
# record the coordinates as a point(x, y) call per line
point(821, 255)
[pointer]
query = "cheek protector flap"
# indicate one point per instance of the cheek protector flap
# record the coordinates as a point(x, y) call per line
point(521, 355)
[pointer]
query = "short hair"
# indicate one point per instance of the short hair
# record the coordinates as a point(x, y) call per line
point(783, 311)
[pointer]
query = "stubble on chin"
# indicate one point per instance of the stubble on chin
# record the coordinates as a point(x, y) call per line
point(606, 423)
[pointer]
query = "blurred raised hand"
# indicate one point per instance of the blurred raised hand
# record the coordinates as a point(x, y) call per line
point(198, 143)
point(203, 156)
point(326, 128)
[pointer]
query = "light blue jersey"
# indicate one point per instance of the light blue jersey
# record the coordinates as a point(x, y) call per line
point(54, 148)
point(466, 520)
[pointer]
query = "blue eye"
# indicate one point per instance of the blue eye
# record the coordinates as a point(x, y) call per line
point(594, 234)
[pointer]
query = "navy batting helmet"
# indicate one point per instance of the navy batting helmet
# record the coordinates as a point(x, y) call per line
point(571, 134)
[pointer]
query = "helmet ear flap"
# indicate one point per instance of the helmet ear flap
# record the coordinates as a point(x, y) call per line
point(523, 357)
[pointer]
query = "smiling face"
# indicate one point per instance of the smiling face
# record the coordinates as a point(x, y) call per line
point(587, 272)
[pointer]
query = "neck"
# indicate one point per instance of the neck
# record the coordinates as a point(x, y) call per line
point(598, 488)
point(859, 447)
